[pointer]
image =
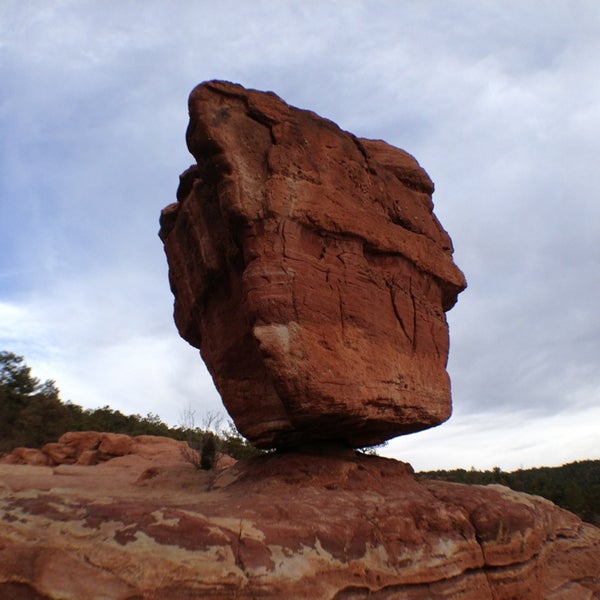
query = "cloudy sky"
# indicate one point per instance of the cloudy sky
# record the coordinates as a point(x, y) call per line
point(498, 100)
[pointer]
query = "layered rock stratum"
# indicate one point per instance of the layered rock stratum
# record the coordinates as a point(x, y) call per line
point(309, 269)
point(146, 525)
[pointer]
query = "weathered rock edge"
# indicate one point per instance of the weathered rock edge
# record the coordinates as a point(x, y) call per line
point(309, 269)
point(295, 525)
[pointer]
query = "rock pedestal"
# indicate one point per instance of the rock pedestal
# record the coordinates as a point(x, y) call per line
point(309, 269)
point(291, 525)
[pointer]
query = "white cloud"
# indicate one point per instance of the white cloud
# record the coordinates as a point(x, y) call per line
point(102, 352)
point(509, 440)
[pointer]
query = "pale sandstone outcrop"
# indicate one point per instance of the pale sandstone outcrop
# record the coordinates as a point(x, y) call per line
point(309, 269)
point(296, 525)
point(92, 447)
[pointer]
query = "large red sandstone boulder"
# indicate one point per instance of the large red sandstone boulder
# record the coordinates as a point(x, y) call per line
point(296, 525)
point(309, 269)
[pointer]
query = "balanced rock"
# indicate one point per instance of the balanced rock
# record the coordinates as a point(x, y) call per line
point(309, 269)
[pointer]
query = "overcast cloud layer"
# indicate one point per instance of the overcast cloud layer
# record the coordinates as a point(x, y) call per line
point(498, 100)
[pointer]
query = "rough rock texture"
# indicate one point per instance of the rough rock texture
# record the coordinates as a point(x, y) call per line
point(309, 269)
point(147, 525)
point(92, 447)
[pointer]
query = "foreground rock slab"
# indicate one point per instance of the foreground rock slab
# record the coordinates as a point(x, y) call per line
point(298, 525)
point(308, 267)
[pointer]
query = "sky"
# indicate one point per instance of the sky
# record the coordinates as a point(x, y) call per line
point(499, 101)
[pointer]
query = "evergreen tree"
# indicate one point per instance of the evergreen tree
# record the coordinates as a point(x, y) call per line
point(24, 402)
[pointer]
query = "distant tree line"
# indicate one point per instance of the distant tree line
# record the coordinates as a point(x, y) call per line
point(32, 414)
point(574, 486)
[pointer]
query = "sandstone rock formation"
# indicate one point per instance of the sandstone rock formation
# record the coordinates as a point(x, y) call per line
point(147, 525)
point(93, 447)
point(309, 269)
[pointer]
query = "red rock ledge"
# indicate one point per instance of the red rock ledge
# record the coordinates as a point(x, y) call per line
point(148, 525)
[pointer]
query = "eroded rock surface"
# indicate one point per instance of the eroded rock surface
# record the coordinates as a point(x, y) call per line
point(93, 447)
point(296, 525)
point(309, 269)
